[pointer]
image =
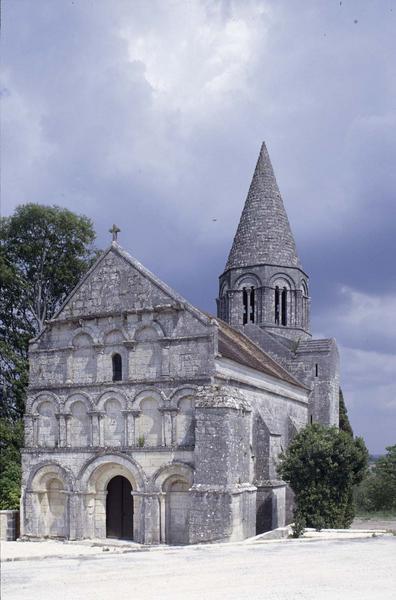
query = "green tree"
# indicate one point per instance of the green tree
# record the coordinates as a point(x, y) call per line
point(44, 251)
point(378, 490)
point(11, 439)
point(344, 423)
point(322, 465)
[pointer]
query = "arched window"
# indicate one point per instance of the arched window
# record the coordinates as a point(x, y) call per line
point(248, 296)
point(284, 306)
point(117, 367)
point(277, 305)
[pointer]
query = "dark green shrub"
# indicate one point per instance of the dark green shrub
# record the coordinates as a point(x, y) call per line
point(321, 466)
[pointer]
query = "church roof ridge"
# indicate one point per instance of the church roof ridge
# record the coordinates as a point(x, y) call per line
point(263, 235)
point(241, 348)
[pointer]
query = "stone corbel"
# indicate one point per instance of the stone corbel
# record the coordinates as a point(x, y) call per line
point(130, 344)
point(165, 342)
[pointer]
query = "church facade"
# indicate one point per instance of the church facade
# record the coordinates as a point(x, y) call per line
point(150, 420)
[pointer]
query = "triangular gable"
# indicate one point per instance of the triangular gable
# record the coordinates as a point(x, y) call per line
point(118, 282)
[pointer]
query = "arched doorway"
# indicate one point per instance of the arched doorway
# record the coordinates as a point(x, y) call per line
point(119, 509)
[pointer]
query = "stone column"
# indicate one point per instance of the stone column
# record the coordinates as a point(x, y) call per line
point(35, 419)
point(134, 430)
point(129, 430)
point(162, 513)
point(68, 433)
point(150, 517)
point(73, 514)
point(299, 309)
point(94, 416)
point(62, 433)
point(169, 425)
point(100, 515)
point(101, 440)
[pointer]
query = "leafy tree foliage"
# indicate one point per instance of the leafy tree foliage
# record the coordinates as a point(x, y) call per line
point(377, 492)
point(44, 251)
point(344, 423)
point(322, 465)
point(11, 439)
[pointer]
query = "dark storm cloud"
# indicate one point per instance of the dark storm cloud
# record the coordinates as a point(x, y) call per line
point(151, 115)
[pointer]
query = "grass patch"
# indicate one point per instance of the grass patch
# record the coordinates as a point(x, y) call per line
point(380, 515)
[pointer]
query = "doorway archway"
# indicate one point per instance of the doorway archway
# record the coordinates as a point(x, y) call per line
point(119, 509)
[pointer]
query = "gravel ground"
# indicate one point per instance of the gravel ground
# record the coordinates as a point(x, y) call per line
point(360, 569)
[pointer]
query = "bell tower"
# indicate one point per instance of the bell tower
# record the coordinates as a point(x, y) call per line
point(263, 282)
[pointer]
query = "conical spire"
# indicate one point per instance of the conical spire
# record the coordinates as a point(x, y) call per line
point(263, 235)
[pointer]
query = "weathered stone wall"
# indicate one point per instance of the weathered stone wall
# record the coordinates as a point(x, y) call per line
point(9, 525)
point(278, 411)
point(223, 502)
point(313, 362)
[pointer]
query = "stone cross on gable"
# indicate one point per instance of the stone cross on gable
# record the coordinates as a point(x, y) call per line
point(114, 231)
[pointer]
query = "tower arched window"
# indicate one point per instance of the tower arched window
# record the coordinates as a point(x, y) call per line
point(284, 306)
point(249, 302)
point(277, 305)
point(117, 367)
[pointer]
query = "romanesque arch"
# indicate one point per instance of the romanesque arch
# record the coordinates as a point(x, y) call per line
point(46, 500)
point(94, 480)
point(83, 358)
point(145, 362)
point(78, 421)
point(174, 481)
point(113, 340)
point(46, 408)
point(249, 284)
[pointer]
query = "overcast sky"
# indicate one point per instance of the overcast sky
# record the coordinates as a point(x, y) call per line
point(150, 114)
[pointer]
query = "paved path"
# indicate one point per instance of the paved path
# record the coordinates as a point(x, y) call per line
point(292, 570)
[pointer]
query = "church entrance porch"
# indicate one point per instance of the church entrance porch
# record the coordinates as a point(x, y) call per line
point(112, 499)
point(119, 509)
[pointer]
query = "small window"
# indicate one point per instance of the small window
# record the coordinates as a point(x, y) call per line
point(117, 367)
point(252, 304)
point(277, 305)
point(284, 306)
point(248, 298)
point(316, 370)
point(245, 306)
point(311, 419)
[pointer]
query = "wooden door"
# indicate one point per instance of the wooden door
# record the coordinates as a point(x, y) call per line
point(119, 509)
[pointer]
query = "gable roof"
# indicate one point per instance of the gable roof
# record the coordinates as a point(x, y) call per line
point(236, 346)
point(114, 247)
point(264, 235)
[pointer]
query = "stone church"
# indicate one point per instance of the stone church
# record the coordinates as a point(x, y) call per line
point(150, 420)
